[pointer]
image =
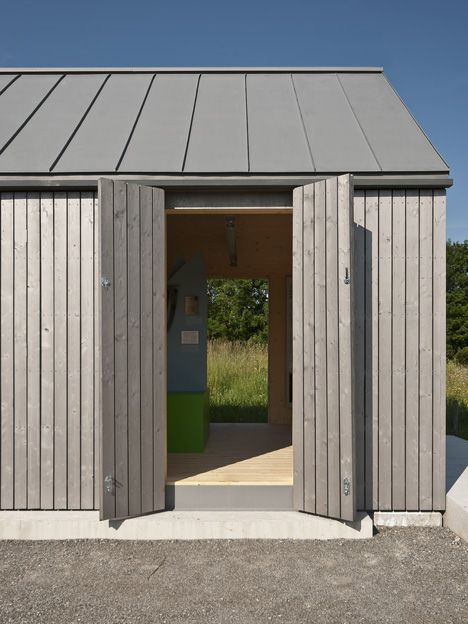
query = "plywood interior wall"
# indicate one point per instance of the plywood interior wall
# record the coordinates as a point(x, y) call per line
point(264, 250)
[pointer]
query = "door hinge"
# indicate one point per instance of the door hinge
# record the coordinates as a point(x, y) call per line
point(347, 279)
point(346, 486)
point(109, 485)
point(105, 282)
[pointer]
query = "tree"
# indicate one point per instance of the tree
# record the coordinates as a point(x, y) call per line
point(457, 299)
point(238, 310)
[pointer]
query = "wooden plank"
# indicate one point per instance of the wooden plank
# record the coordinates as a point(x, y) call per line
point(74, 350)
point(87, 350)
point(146, 354)
point(345, 342)
point(320, 314)
point(359, 285)
point(425, 349)
point(372, 349)
point(60, 351)
point(306, 300)
point(332, 361)
point(134, 373)
point(34, 350)
point(398, 349)
point(412, 350)
point(20, 351)
point(106, 343)
point(298, 348)
point(47, 350)
point(7, 351)
point(385, 350)
point(121, 347)
point(159, 348)
point(97, 359)
point(439, 321)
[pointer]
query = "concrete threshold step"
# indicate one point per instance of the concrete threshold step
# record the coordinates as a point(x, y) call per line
point(180, 525)
point(456, 510)
point(229, 497)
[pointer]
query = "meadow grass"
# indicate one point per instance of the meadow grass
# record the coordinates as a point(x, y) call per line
point(457, 390)
point(238, 381)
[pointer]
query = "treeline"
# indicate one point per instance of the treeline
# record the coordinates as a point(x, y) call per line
point(457, 301)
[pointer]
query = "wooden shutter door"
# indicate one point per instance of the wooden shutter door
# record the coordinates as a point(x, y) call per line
point(132, 288)
point(323, 427)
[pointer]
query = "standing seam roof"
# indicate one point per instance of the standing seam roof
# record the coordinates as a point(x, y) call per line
point(214, 121)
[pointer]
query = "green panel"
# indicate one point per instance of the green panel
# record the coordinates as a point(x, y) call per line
point(187, 422)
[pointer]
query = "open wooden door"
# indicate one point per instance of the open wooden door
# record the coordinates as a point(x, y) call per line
point(323, 423)
point(132, 276)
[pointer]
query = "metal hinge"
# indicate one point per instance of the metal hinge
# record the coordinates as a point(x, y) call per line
point(105, 282)
point(109, 485)
point(347, 279)
point(346, 486)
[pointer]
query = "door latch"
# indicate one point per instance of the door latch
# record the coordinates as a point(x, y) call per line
point(109, 485)
point(346, 486)
point(105, 282)
point(347, 279)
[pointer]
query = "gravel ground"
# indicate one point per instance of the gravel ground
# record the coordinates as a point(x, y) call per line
point(402, 575)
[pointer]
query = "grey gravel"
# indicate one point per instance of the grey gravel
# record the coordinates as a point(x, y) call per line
point(401, 575)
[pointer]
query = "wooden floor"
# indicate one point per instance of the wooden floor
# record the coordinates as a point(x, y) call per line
point(241, 454)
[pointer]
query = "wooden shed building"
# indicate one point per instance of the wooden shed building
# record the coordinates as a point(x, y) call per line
point(122, 191)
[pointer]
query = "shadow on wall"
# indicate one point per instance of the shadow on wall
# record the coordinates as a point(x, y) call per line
point(366, 429)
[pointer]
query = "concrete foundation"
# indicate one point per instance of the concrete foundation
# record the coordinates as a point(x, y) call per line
point(180, 525)
point(456, 514)
point(408, 518)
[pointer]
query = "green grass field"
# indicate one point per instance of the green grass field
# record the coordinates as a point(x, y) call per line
point(457, 390)
point(238, 381)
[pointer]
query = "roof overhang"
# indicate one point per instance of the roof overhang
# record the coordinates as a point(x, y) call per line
point(226, 182)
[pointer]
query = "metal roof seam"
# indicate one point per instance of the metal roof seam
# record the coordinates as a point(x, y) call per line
point(127, 143)
point(247, 122)
point(191, 124)
point(8, 85)
point(31, 115)
point(303, 123)
point(359, 123)
point(83, 117)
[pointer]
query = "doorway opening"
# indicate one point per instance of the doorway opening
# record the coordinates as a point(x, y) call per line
point(238, 350)
point(245, 264)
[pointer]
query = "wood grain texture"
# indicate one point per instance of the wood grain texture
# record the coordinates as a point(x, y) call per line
point(7, 352)
point(34, 350)
point(439, 355)
point(47, 351)
point(61, 351)
point(323, 410)
point(298, 349)
point(20, 351)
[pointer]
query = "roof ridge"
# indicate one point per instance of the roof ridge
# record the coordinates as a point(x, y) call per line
point(175, 70)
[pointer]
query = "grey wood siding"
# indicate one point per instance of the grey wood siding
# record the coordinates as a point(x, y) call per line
point(49, 437)
point(400, 348)
point(132, 258)
point(49, 432)
point(323, 418)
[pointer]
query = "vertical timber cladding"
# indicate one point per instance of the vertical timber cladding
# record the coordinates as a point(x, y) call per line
point(133, 348)
point(400, 348)
point(49, 435)
point(323, 413)
point(48, 432)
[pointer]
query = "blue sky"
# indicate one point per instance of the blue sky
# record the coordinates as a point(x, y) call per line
point(422, 44)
